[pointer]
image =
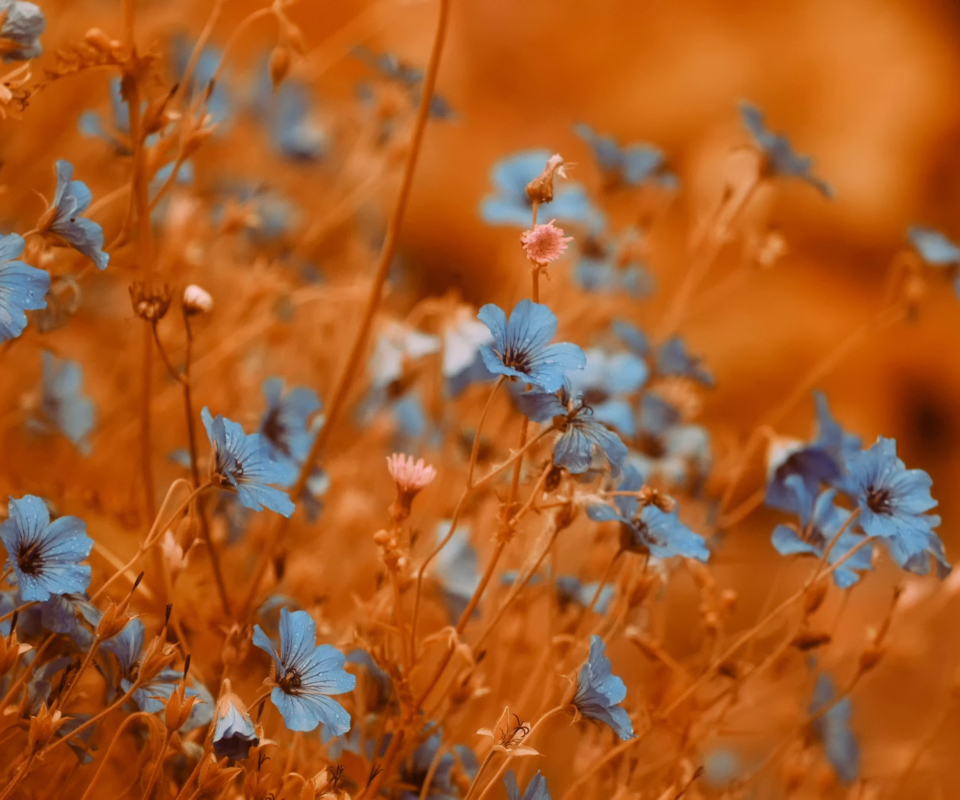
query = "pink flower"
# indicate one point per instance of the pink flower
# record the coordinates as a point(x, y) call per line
point(410, 476)
point(545, 243)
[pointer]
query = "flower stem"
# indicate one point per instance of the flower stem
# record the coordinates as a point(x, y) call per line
point(105, 758)
point(155, 773)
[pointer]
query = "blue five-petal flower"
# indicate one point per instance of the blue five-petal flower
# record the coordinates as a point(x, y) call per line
point(306, 673)
point(71, 199)
point(599, 692)
point(22, 288)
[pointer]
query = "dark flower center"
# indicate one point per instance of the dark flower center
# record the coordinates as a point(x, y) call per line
point(516, 360)
point(276, 432)
point(30, 559)
point(291, 681)
point(879, 501)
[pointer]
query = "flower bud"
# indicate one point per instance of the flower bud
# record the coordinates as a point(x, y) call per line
point(540, 189)
point(196, 300)
point(150, 302)
point(179, 707)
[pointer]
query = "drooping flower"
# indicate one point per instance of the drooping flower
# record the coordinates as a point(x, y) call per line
point(22, 288)
point(45, 556)
point(242, 464)
point(63, 407)
point(893, 502)
point(456, 569)
point(816, 463)
point(781, 159)
point(629, 165)
point(536, 789)
point(511, 205)
point(580, 432)
point(64, 221)
point(599, 692)
point(521, 346)
point(833, 729)
point(648, 529)
point(21, 25)
point(544, 243)
point(306, 674)
point(233, 733)
point(820, 522)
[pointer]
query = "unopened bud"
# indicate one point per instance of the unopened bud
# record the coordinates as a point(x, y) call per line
point(280, 61)
point(179, 708)
point(540, 189)
point(113, 620)
point(150, 302)
point(196, 300)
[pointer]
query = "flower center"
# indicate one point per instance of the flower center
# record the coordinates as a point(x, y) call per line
point(291, 681)
point(30, 559)
point(276, 432)
point(879, 501)
point(516, 360)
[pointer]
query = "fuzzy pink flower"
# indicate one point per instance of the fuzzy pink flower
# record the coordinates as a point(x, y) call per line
point(410, 476)
point(545, 243)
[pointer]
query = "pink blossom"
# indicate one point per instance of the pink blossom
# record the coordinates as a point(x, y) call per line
point(411, 476)
point(545, 243)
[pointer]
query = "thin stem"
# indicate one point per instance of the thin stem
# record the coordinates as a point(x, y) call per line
point(106, 756)
point(21, 774)
point(607, 573)
point(351, 367)
point(155, 773)
point(174, 373)
point(475, 450)
point(92, 721)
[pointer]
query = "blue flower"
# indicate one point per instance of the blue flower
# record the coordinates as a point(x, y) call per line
point(536, 789)
point(456, 569)
point(632, 337)
point(127, 646)
point(649, 529)
point(306, 673)
point(72, 614)
point(151, 697)
point(233, 733)
point(45, 556)
point(938, 251)
point(781, 158)
point(295, 132)
point(599, 692)
point(606, 265)
point(511, 206)
point(893, 502)
point(284, 428)
point(816, 463)
point(673, 359)
point(604, 380)
point(521, 346)
point(933, 247)
point(62, 405)
point(242, 463)
point(22, 288)
point(667, 449)
point(580, 432)
point(442, 787)
point(630, 165)
point(820, 521)
point(833, 728)
point(22, 25)
point(63, 218)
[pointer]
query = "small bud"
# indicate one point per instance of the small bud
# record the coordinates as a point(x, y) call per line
point(43, 727)
point(540, 189)
point(113, 621)
point(179, 708)
point(150, 303)
point(280, 61)
point(196, 300)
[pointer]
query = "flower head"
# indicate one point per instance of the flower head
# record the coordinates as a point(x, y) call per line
point(45, 556)
point(196, 300)
point(780, 156)
point(284, 428)
point(21, 25)
point(580, 431)
point(521, 346)
point(62, 404)
point(833, 729)
point(511, 205)
point(629, 165)
point(544, 243)
point(233, 733)
point(893, 502)
point(536, 789)
point(306, 673)
point(22, 288)
point(599, 692)
point(63, 218)
point(820, 522)
point(410, 475)
point(648, 528)
point(242, 463)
